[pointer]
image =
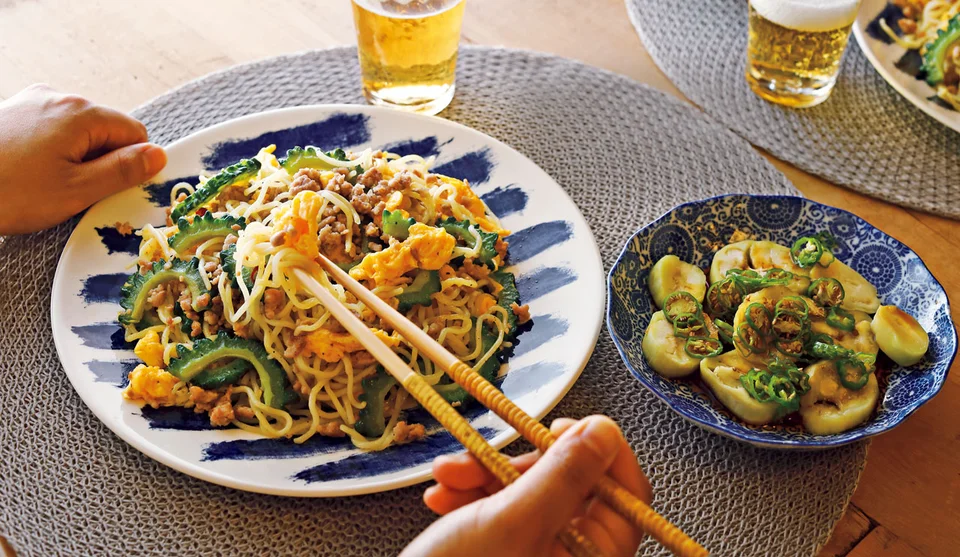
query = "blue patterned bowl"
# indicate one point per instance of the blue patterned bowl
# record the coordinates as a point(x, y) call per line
point(694, 231)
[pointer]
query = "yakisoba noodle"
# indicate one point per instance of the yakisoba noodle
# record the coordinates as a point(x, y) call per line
point(223, 327)
point(923, 23)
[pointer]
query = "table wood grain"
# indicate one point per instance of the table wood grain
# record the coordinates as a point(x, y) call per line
point(123, 53)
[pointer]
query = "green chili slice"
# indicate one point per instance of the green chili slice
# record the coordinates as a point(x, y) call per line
point(822, 338)
point(827, 292)
point(724, 296)
point(806, 251)
point(755, 383)
point(688, 324)
point(758, 317)
point(824, 351)
point(725, 330)
point(751, 281)
point(790, 347)
point(786, 368)
point(789, 325)
point(828, 241)
point(749, 339)
point(778, 276)
point(793, 304)
point(783, 392)
point(853, 373)
point(680, 303)
point(869, 360)
point(841, 319)
point(702, 347)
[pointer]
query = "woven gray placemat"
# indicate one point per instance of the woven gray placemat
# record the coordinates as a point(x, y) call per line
point(865, 136)
point(625, 153)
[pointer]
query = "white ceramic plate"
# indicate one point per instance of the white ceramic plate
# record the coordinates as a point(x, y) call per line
point(888, 59)
point(550, 234)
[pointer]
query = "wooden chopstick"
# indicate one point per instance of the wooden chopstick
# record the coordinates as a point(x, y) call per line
point(575, 542)
point(619, 498)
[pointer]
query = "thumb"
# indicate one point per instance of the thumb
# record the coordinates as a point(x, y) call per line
point(556, 488)
point(120, 169)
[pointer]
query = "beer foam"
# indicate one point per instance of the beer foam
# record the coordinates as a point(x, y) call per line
point(808, 15)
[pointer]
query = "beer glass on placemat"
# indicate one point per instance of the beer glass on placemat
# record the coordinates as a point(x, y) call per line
point(408, 51)
point(795, 47)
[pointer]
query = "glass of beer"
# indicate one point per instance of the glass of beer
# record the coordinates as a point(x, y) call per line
point(408, 51)
point(795, 47)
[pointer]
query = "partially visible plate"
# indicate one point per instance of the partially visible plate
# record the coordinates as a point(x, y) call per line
point(896, 64)
point(552, 251)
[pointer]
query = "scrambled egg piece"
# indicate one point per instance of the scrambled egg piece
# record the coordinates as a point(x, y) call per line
point(151, 385)
point(426, 247)
point(397, 201)
point(482, 303)
point(299, 224)
point(468, 198)
point(331, 346)
point(150, 350)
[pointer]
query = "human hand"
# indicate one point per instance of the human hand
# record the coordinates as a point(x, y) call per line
point(484, 518)
point(59, 154)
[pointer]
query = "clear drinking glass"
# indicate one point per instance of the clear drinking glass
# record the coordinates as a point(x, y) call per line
point(408, 51)
point(795, 47)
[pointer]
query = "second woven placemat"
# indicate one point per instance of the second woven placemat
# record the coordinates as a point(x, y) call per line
point(624, 152)
point(865, 136)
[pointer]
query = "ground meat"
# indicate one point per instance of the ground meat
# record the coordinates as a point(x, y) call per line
point(239, 329)
point(222, 413)
point(273, 192)
point(185, 300)
point(475, 271)
point(372, 200)
point(230, 240)
point(203, 301)
point(362, 358)
point(333, 244)
point(157, 296)
point(294, 348)
point(196, 329)
point(273, 301)
point(501, 248)
point(203, 400)
point(522, 312)
point(124, 228)
point(370, 178)
point(301, 387)
point(307, 179)
point(233, 193)
point(330, 429)
point(339, 184)
point(244, 413)
point(169, 210)
point(403, 433)
point(908, 26)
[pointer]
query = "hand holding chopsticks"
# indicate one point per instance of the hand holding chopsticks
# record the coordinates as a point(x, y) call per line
point(621, 500)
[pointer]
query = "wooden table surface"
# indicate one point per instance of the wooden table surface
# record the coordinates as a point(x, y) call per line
point(122, 53)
